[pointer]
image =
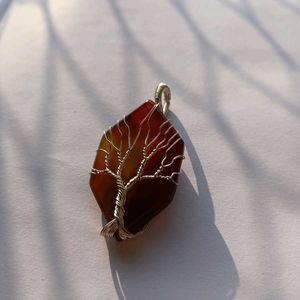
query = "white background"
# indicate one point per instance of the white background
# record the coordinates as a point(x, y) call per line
point(71, 68)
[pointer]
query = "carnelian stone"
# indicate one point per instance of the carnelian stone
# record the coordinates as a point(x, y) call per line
point(142, 152)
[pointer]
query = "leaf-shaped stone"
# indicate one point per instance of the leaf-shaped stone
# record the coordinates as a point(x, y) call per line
point(136, 168)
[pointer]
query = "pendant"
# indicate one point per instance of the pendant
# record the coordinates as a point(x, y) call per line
point(135, 172)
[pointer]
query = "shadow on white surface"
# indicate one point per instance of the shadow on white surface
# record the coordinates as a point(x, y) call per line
point(37, 164)
point(4, 6)
point(246, 11)
point(209, 51)
point(7, 275)
point(292, 7)
point(182, 255)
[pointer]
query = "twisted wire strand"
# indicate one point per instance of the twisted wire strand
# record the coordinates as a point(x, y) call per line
point(117, 223)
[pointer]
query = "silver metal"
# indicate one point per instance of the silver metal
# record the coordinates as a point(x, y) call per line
point(162, 96)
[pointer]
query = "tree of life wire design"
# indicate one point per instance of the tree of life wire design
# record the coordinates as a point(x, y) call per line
point(117, 223)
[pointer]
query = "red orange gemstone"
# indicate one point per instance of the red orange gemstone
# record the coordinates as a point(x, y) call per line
point(136, 168)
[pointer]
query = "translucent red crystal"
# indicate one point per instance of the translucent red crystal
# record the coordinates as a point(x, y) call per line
point(143, 133)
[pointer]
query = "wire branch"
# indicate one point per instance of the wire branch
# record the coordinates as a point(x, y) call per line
point(167, 177)
point(162, 167)
point(162, 146)
point(95, 171)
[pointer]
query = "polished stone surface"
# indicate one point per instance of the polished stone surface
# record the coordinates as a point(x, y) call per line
point(144, 143)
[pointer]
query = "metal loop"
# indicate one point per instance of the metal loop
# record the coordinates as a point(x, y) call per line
point(162, 96)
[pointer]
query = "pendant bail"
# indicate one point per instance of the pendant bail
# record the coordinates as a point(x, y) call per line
point(162, 96)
